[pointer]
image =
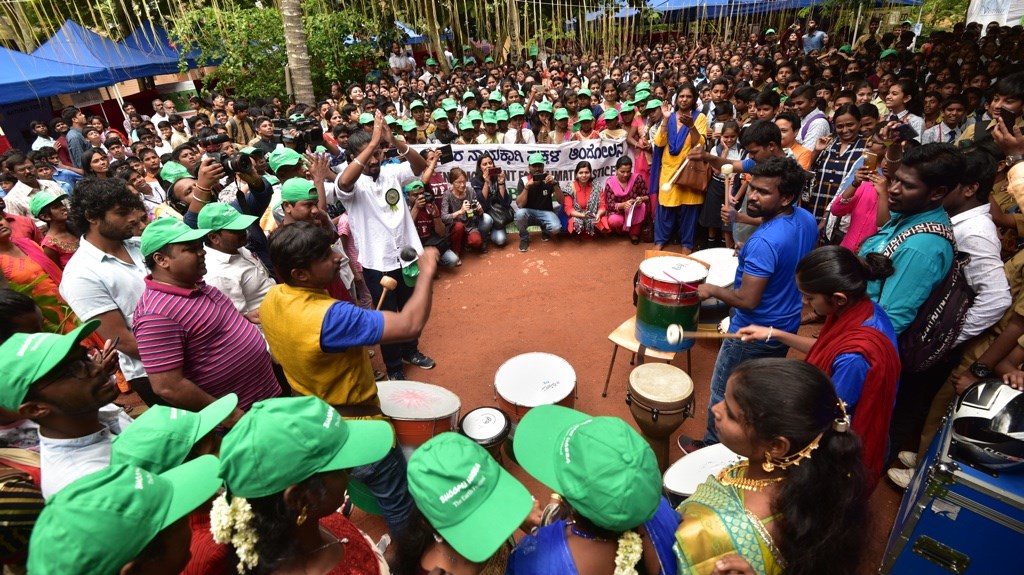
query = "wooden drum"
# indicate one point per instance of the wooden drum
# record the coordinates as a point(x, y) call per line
point(419, 411)
point(660, 398)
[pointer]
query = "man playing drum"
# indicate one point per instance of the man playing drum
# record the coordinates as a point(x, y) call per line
point(321, 344)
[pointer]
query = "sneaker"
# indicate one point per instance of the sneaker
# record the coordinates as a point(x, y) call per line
point(397, 375)
point(524, 244)
point(689, 445)
point(419, 360)
point(544, 236)
point(908, 458)
point(901, 477)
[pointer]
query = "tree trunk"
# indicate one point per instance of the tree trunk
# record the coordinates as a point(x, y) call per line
point(298, 54)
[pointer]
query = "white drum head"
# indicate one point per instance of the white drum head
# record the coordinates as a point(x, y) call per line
point(535, 378)
point(670, 269)
point(683, 477)
point(661, 382)
point(415, 401)
point(724, 264)
point(484, 423)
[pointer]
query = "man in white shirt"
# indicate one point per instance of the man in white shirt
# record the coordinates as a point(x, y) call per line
point(379, 216)
point(42, 132)
point(230, 266)
point(814, 125)
point(158, 112)
point(399, 63)
point(29, 184)
point(952, 125)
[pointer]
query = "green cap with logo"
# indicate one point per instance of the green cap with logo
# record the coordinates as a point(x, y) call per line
point(172, 172)
point(168, 231)
point(502, 115)
point(611, 114)
point(365, 118)
point(640, 96)
point(516, 109)
point(535, 158)
point(584, 92)
point(462, 491)
point(449, 104)
point(643, 86)
point(26, 358)
point(408, 125)
point(655, 103)
point(217, 216)
point(475, 116)
point(585, 116)
point(439, 114)
point(283, 157)
point(161, 438)
point(495, 96)
point(431, 62)
point(627, 108)
point(102, 521)
point(601, 465)
point(545, 107)
point(416, 104)
point(42, 200)
point(413, 185)
point(298, 190)
point(283, 441)
point(469, 95)
point(465, 124)
point(390, 120)
point(490, 117)
point(561, 114)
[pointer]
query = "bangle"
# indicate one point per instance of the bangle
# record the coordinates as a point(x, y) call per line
point(770, 330)
point(202, 189)
point(358, 163)
point(200, 201)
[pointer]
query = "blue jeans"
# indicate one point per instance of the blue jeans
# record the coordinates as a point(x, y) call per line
point(547, 220)
point(733, 353)
point(387, 481)
point(394, 301)
point(448, 259)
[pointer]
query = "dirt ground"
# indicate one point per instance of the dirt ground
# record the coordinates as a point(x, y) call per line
point(562, 297)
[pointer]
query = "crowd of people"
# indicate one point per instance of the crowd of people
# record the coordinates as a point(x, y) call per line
point(229, 266)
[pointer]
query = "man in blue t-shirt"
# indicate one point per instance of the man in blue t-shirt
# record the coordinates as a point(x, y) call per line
point(765, 291)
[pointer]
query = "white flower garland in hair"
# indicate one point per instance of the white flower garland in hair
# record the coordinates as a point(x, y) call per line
point(231, 524)
point(628, 554)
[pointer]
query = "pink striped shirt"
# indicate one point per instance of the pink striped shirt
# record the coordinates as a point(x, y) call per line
point(200, 332)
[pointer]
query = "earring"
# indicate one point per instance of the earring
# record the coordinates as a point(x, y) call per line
point(767, 464)
point(303, 515)
point(437, 538)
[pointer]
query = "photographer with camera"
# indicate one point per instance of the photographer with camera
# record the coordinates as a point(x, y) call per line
point(426, 213)
point(534, 201)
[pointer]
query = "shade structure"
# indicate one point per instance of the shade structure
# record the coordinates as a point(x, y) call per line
point(76, 45)
point(154, 41)
point(28, 77)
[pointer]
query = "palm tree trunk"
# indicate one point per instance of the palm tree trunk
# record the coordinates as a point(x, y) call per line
point(298, 55)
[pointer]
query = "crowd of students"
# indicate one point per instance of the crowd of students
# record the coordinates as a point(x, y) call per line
point(226, 267)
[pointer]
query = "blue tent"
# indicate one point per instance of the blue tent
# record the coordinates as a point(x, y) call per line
point(73, 44)
point(29, 77)
point(411, 36)
point(680, 10)
point(155, 43)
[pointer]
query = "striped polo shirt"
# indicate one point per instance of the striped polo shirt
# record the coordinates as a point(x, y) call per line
point(199, 331)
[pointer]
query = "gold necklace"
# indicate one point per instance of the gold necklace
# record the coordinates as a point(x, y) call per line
point(726, 477)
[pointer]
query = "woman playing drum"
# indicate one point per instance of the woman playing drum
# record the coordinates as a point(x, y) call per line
point(769, 510)
point(857, 345)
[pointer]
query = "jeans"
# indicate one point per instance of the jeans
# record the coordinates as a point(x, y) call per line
point(386, 479)
point(392, 353)
point(733, 353)
point(547, 220)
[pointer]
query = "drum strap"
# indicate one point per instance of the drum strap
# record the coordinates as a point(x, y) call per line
point(641, 352)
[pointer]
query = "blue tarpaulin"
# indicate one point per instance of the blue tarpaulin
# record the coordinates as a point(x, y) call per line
point(679, 10)
point(28, 77)
point(73, 44)
point(153, 41)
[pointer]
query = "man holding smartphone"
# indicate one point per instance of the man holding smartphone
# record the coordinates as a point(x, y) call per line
point(1007, 102)
point(536, 197)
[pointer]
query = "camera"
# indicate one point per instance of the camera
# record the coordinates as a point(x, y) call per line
point(233, 164)
point(428, 195)
point(301, 131)
point(214, 140)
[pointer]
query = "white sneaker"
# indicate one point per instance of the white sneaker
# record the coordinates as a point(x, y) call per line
point(901, 477)
point(908, 458)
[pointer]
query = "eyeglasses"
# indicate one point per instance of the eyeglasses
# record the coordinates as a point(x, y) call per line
point(82, 368)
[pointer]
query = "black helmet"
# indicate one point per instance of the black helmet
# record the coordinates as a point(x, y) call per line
point(988, 426)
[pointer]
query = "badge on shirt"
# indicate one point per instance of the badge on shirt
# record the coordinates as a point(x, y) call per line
point(392, 197)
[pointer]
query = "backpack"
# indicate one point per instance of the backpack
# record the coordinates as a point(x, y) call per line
point(939, 321)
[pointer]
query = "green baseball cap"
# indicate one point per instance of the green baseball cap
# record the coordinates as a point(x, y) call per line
point(252, 151)
point(495, 96)
point(475, 116)
point(488, 60)
point(610, 114)
point(168, 231)
point(408, 125)
point(653, 104)
point(601, 465)
point(283, 157)
point(42, 200)
point(535, 158)
point(465, 124)
point(25, 358)
point(545, 107)
point(307, 433)
point(886, 53)
point(846, 49)
point(365, 118)
point(449, 104)
point(561, 114)
point(431, 62)
point(462, 491)
point(161, 438)
point(627, 108)
point(502, 115)
point(769, 31)
point(640, 96)
point(490, 117)
point(584, 92)
point(908, 21)
point(533, 50)
point(298, 190)
point(104, 520)
point(296, 118)
point(173, 171)
point(217, 216)
point(416, 104)
point(439, 114)
point(469, 95)
point(585, 116)
point(643, 86)
point(390, 120)
point(516, 109)
point(413, 185)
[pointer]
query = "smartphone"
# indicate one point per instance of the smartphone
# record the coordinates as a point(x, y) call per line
point(493, 172)
point(1009, 118)
point(391, 153)
point(446, 154)
point(906, 132)
point(871, 161)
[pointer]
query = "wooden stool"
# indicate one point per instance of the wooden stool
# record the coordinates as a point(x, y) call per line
point(625, 336)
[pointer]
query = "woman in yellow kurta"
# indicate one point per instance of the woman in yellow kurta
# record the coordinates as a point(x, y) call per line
point(678, 207)
point(781, 510)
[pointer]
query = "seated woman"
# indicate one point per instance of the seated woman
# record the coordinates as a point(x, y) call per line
point(467, 533)
point(461, 209)
point(284, 518)
point(489, 184)
point(768, 509)
point(619, 522)
point(585, 208)
point(857, 345)
point(626, 197)
point(429, 227)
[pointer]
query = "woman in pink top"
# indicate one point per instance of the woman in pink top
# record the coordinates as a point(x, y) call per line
point(860, 199)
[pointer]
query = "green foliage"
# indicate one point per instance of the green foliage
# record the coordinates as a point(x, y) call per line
point(329, 57)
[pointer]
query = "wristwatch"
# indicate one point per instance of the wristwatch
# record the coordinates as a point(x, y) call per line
point(1015, 159)
point(980, 370)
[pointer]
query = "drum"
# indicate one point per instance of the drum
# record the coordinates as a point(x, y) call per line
point(531, 379)
point(418, 411)
point(722, 272)
point(666, 295)
point(660, 398)
point(488, 426)
point(681, 480)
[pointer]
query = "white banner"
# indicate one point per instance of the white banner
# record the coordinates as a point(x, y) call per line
point(1006, 12)
point(559, 159)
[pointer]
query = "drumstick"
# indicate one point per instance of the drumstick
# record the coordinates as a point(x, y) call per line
point(675, 334)
point(668, 185)
point(388, 283)
point(679, 281)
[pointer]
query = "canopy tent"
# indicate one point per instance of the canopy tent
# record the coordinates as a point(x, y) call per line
point(680, 10)
point(411, 36)
point(153, 41)
point(29, 77)
point(622, 12)
point(73, 44)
